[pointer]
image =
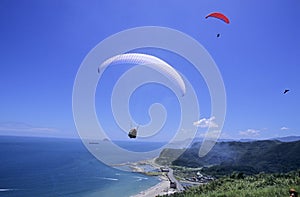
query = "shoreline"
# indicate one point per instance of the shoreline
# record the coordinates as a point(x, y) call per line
point(138, 165)
point(162, 188)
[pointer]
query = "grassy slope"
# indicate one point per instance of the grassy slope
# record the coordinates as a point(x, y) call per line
point(261, 185)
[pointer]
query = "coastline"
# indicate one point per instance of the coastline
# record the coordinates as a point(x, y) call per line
point(162, 188)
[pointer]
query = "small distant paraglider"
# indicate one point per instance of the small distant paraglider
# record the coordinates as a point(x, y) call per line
point(286, 91)
point(220, 16)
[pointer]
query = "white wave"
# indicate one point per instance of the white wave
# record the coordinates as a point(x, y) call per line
point(140, 178)
point(108, 178)
point(6, 190)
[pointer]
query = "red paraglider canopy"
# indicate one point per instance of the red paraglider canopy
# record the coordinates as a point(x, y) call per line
point(219, 16)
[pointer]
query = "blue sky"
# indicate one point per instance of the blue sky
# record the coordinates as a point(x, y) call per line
point(44, 42)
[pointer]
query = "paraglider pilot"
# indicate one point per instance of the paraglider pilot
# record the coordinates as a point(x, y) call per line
point(132, 133)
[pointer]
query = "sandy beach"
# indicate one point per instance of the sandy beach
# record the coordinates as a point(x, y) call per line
point(161, 188)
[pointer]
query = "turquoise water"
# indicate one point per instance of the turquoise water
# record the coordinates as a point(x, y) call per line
point(61, 167)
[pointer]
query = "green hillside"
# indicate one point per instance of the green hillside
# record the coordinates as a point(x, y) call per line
point(260, 185)
point(268, 156)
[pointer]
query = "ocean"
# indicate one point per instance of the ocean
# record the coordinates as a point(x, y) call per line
point(31, 166)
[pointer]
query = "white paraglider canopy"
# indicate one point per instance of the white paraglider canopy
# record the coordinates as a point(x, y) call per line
point(147, 60)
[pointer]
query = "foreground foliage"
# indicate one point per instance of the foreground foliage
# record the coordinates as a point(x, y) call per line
point(239, 185)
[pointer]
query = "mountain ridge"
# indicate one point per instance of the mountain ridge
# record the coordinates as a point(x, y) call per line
point(251, 157)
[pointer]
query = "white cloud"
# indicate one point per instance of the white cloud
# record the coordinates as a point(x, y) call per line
point(284, 128)
point(206, 123)
point(250, 133)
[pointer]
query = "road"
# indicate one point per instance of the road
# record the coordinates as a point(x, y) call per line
point(171, 177)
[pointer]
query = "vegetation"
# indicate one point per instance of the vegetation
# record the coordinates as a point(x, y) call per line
point(153, 173)
point(242, 169)
point(250, 158)
point(182, 173)
point(239, 185)
point(168, 155)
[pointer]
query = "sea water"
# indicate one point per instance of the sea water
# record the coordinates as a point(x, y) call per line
point(61, 167)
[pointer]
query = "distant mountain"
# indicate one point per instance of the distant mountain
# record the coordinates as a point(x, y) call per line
point(248, 157)
point(247, 140)
point(187, 143)
point(288, 139)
